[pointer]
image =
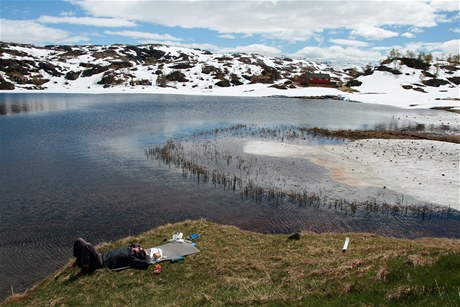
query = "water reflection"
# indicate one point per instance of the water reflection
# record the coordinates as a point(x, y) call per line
point(16, 105)
point(82, 171)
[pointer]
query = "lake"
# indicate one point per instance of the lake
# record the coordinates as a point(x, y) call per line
point(74, 166)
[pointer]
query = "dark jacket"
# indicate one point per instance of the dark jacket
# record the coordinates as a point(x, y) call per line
point(124, 257)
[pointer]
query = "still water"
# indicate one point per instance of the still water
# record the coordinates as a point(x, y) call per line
point(74, 166)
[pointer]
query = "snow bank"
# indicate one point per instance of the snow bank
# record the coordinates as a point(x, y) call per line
point(425, 170)
point(380, 87)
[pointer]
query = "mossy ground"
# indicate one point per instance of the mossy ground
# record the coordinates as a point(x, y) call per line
point(237, 267)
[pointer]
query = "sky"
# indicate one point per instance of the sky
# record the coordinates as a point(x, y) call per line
point(329, 30)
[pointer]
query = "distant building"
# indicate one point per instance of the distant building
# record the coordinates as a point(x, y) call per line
point(315, 78)
point(320, 79)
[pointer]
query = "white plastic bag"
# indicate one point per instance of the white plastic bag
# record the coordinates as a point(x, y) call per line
point(178, 237)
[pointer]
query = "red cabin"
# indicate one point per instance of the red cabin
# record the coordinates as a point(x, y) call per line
point(316, 78)
point(320, 79)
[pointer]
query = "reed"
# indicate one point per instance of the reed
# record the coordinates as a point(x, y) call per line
point(205, 162)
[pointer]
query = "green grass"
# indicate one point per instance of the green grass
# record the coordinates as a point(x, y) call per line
point(237, 267)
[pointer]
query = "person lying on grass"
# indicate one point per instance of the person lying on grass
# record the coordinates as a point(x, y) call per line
point(89, 259)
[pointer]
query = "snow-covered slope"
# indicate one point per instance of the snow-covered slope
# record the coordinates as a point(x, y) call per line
point(404, 86)
point(166, 69)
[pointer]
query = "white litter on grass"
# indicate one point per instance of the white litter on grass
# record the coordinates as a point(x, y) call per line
point(345, 245)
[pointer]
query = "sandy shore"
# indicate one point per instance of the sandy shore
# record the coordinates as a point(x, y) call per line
point(425, 170)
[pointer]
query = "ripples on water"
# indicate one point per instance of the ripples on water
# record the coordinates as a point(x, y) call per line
point(74, 165)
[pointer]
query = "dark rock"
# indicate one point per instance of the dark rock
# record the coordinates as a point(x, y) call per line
point(353, 82)
point(407, 87)
point(72, 53)
point(388, 69)
point(105, 54)
point(39, 81)
point(19, 79)
point(96, 69)
point(223, 83)
point(184, 57)
point(415, 63)
point(428, 74)
point(224, 59)
point(209, 69)
point(236, 82)
point(435, 82)
point(271, 72)
point(244, 60)
point(5, 85)
point(368, 72)
point(454, 80)
point(11, 66)
point(449, 68)
point(141, 82)
point(279, 86)
point(72, 75)
point(120, 64)
point(419, 89)
point(86, 65)
point(49, 68)
point(110, 78)
point(176, 76)
point(295, 236)
point(182, 66)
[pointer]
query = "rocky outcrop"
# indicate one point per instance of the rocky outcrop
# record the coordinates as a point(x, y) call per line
point(176, 76)
point(94, 70)
point(415, 63)
point(5, 85)
point(72, 75)
point(435, 82)
point(388, 69)
point(223, 83)
point(454, 80)
point(60, 67)
point(353, 82)
point(49, 68)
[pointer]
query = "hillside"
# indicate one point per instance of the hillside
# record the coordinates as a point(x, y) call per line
point(237, 267)
point(164, 69)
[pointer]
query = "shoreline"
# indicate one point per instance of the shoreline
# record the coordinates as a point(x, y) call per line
point(425, 170)
point(395, 99)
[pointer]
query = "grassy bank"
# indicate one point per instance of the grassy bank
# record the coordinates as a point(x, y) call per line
point(237, 267)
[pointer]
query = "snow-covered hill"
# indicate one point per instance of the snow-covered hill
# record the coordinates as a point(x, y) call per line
point(165, 69)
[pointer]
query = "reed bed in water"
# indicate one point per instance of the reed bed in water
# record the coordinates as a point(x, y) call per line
point(195, 154)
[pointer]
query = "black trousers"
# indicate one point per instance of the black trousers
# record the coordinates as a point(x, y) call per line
point(87, 256)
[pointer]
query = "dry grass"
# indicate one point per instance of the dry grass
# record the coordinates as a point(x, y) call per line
point(368, 134)
point(237, 267)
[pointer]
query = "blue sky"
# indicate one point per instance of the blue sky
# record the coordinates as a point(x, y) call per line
point(350, 31)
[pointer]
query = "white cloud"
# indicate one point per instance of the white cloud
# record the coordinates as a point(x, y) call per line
point(144, 35)
point(450, 47)
point(455, 30)
point(437, 49)
point(444, 5)
point(349, 42)
point(373, 33)
point(75, 39)
point(408, 35)
point(284, 20)
point(339, 53)
point(255, 48)
point(31, 32)
point(227, 36)
point(87, 21)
